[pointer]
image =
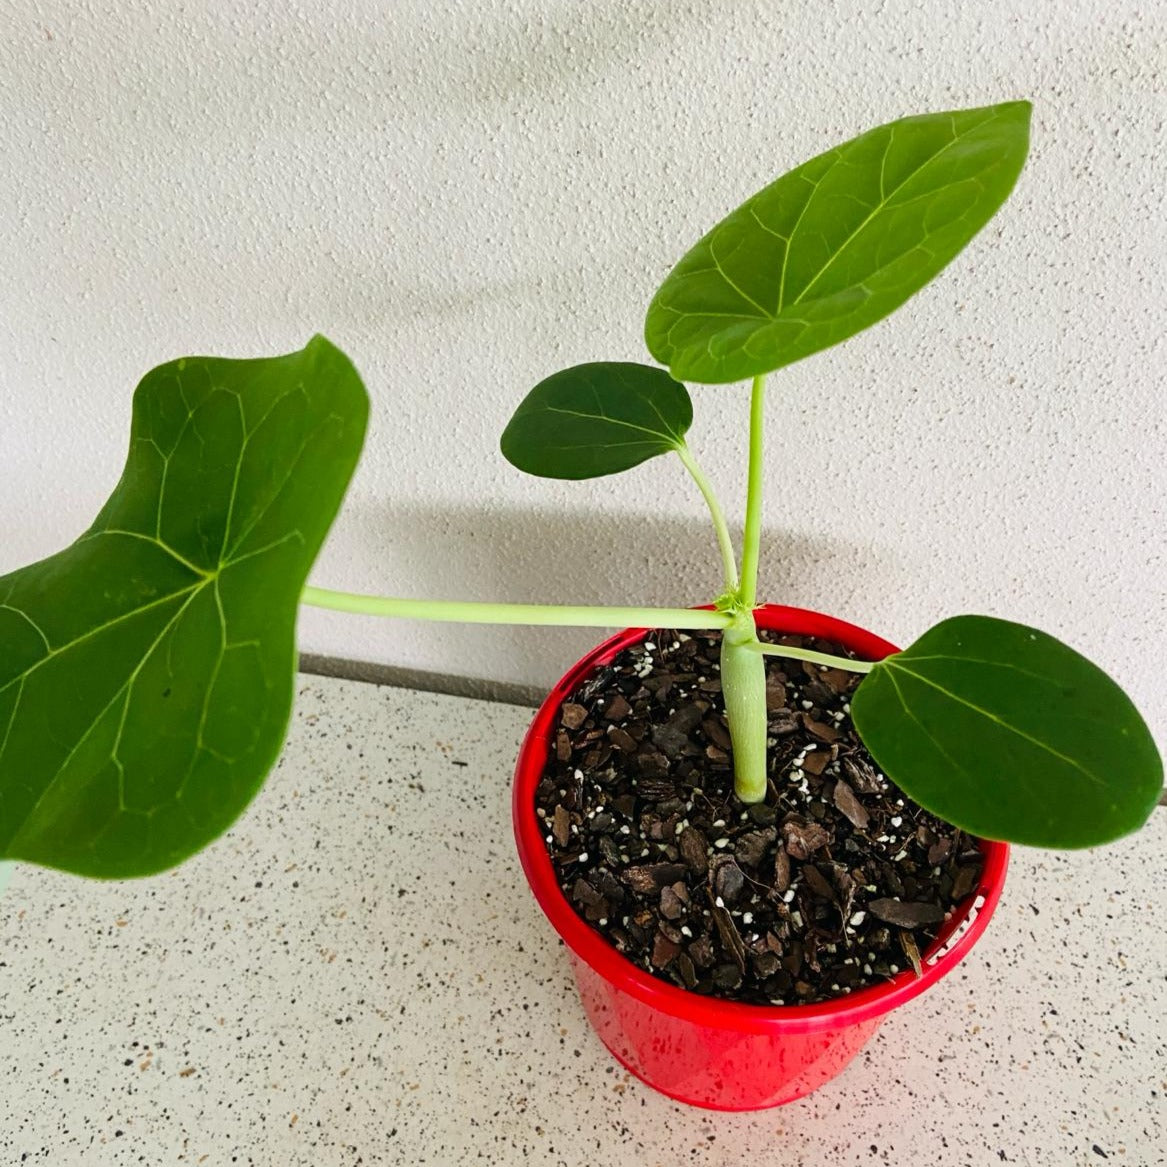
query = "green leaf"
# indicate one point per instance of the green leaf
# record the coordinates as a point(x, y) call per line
point(597, 419)
point(835, 245)
point(146, 671)
point(1010, 734)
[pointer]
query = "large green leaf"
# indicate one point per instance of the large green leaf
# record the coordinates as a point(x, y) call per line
point(835, 245)
point(146, 671)
point(1011, 735)
point(597, 419)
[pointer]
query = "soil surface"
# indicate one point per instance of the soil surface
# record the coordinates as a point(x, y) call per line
point(835, 882)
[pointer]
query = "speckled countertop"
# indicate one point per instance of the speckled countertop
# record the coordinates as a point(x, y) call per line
point(291, 997)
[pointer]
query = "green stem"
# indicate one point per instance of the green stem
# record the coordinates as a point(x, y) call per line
point(724, 543)
point(818, 658)
point(743, 685)
point(752, 536)
point(468, 612)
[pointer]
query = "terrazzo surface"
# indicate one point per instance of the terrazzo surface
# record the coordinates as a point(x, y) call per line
point(357, 974)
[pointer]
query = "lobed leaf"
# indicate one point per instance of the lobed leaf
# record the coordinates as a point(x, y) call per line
point(1010, 734)
point(146, 671)
point(835, 245)
point(597, 419)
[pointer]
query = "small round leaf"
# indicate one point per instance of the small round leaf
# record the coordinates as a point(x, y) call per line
point(1010, 734)
point(597, 419)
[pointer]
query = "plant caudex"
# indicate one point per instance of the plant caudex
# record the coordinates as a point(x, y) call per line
point(146, 670)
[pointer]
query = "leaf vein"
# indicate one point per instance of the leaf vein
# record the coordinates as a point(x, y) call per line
point(123, 688)
point(1045, 746)
point(99, 628)
point(11, 719)
point(30, 621)
point(611, 421)
point(725, 276)
point(871, 215)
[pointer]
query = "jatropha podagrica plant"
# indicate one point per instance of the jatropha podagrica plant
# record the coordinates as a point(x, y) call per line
point(146, 671)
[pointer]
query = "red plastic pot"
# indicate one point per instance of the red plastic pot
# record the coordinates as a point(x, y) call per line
point(697, 1049)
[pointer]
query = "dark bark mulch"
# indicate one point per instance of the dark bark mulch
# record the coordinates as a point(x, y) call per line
point(835, 882)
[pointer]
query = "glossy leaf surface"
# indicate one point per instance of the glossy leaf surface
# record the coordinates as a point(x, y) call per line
point(597, 419)
point(1010, 734)
point(835, 245)
point(146, 671)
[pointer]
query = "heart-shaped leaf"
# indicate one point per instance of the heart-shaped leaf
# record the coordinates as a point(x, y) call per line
point(835, 245)
point(146, 671)
point(1010, 734)
point(597, 419)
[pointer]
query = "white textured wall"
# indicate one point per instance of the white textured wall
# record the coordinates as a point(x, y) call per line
point(468, 195)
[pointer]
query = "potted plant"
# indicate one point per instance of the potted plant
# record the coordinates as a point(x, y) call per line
point(146, 670)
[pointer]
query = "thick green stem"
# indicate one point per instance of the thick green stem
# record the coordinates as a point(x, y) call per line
point(817, 658)
point(752, 536)
point(467, 612)
point(743, 685)
point(724, 543)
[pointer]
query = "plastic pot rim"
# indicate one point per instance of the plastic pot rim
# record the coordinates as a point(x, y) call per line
point(939, 959)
